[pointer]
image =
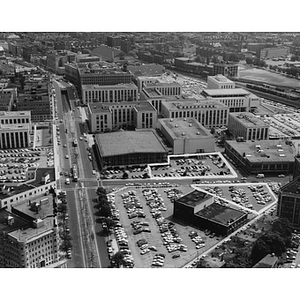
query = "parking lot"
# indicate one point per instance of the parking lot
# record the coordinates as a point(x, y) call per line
point(252, 196)
point(15, 163)
point(145, 223)
point(194, 165)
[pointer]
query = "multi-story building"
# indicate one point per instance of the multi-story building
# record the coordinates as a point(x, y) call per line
point(208, 113)
point(14, 136)
point(228, 70)
point(57, 59)
point(153, 96)
point(125, 45)
point(289, 202)
point(39, 106)
point(6, 101)
point(111, 93)
point(166, 88)
point(108, 116)
point(113, 41)
point(219, 82)
point(273, 52)
point(247, 126)
point(238, 100)
point(29, 235)
point(187, 136)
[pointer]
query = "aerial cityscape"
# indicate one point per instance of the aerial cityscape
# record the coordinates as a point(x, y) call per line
point(149, 149)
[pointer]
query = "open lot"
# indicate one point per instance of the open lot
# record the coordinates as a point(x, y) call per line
point(157, 202)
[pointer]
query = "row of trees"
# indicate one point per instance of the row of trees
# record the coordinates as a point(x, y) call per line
point(256, 62)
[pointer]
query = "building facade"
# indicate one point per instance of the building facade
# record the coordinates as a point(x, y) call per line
point(208, 113)
point(248, 126)
point(261, 157)
point(129, 148)
point(110, 116)
point(289, 202)
point(112, 93)
point(228, 70)
point(238, 99)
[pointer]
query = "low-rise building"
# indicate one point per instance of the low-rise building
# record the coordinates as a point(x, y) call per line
point(261, 157)
point(247, 126)
point(187, 136)
point(128, 148)
point(199, 209)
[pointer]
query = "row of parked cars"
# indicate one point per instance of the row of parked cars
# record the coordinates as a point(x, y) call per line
point(173, 194)
point(261, 196)
point(133, 205)
point(120, 235)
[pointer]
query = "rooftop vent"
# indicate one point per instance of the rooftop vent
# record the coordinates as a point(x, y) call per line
point(198, 133)
point(176, 125)
point(190, 125)
point(183, 134)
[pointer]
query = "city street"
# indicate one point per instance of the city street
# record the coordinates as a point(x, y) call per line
point(89, 249)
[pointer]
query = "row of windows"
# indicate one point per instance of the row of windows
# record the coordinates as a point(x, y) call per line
point(14, 121)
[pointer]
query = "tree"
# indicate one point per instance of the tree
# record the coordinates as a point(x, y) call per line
point(118, 259)
point(125, 175)
point(105, 210)
point(101, 191)
point(283, 227)
point(213, 131)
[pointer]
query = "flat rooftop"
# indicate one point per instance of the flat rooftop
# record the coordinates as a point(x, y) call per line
point(220, 214)
point(18, 222)
point(194, 198)
point(14, 127)
point(190, 127)
point(127, 142)
point(272, 150)
point(248, 119)
point(27, 207)
point(29, 186)
point(110, 87)
point(192, 104)
point(151, 92)
point(26, 234)
point(98, 107)
point(220, 78)
point(146, 69)
point(225, 92)
point(10, 114)
point(143, 106)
